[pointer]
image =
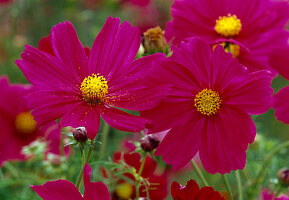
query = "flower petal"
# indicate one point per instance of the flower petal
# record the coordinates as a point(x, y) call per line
point(69, 49)
point(181, 144)
point(45, 71)
point(57, 190)
point(114, 49)
point(225, 142)
point(254, 97)
point(134, 91)
point(281, 105)
point(121, 120)
point(93, 190)
point(83, 115)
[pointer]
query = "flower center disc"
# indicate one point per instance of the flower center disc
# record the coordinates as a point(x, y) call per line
point(124, 190)
point(208, 102)
point(25, 123)
point(228, 26)
point(94, 88)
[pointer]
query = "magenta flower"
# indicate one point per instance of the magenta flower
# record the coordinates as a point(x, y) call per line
point(279, 60)
point(18, 128)
point(267, 195)
point(281, 105)
point(63, 189)
point(192, 191)
point(208, 108)
point(79, 89)
point(246, 28)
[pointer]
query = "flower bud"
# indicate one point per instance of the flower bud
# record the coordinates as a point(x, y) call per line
point(149, 143)
point(283, 175)
point(80, 134)
point(154, 40)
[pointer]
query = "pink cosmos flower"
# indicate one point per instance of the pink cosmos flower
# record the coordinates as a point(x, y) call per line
point(18, 128)
point(248, 29)
point(63, 189)
point(208, 108)
point(192, 192)
point(140, 3)
point(267, 195)
point(279, 60)
point(79, 89)
point(281, 105)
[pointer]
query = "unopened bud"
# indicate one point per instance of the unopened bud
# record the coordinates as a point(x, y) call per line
point(283, 175)
point(154, 40)
point(149, 143)
point(80, 134)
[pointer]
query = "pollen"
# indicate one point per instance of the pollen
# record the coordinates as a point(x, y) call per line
point(94, 88)
point(228, 26)
point(25, 123)
point(230, 48)
point(208, 102)
point(124, 190)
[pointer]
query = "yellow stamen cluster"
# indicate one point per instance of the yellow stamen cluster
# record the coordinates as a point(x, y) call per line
point(124, 190)
point(208, 102)
point(25, 123)
point(94, 88)
point(228, 26)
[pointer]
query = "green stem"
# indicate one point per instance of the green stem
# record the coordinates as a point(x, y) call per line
point(83, 164)
point(138, 176)
point(227, 186)
point(199, 172)
point(62, 144)
point(104, 140)
point(239, 182)
point(267, 160)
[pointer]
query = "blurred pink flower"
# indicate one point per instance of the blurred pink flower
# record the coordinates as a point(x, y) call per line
point(267, 195)
point(208, 108)
point(281, 105)
point(192, 192)
point(141, 3)
point(63, 189)
point(18, 128)
point(79, 89)
point(248, 29)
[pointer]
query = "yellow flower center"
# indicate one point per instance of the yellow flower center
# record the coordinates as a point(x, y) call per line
point(124, 190)
point(25, 123)
point(94, 88)
point(231, 48)
point(208, 102)
point(228, 26)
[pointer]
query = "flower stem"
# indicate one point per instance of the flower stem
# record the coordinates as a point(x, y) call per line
point(267, 160)
point(199, 172)
point(239, 182)
point(83, 163)
point(138, 176)
point(104, 140)
point(227, 186)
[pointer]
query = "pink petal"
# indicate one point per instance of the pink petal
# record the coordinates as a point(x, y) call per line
point(281, 105)
point(181, 144)
point(196, 56)
point(169, 114)
point(279, 60)
point(255, 97)
point(134, 91)
point(45, 71)
point(225, 142)
point(121, 120)
point(50, 105)
point(93, 190)
point(83, 115)
point(114, 49)
point(69, 49)
point(57, 190)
